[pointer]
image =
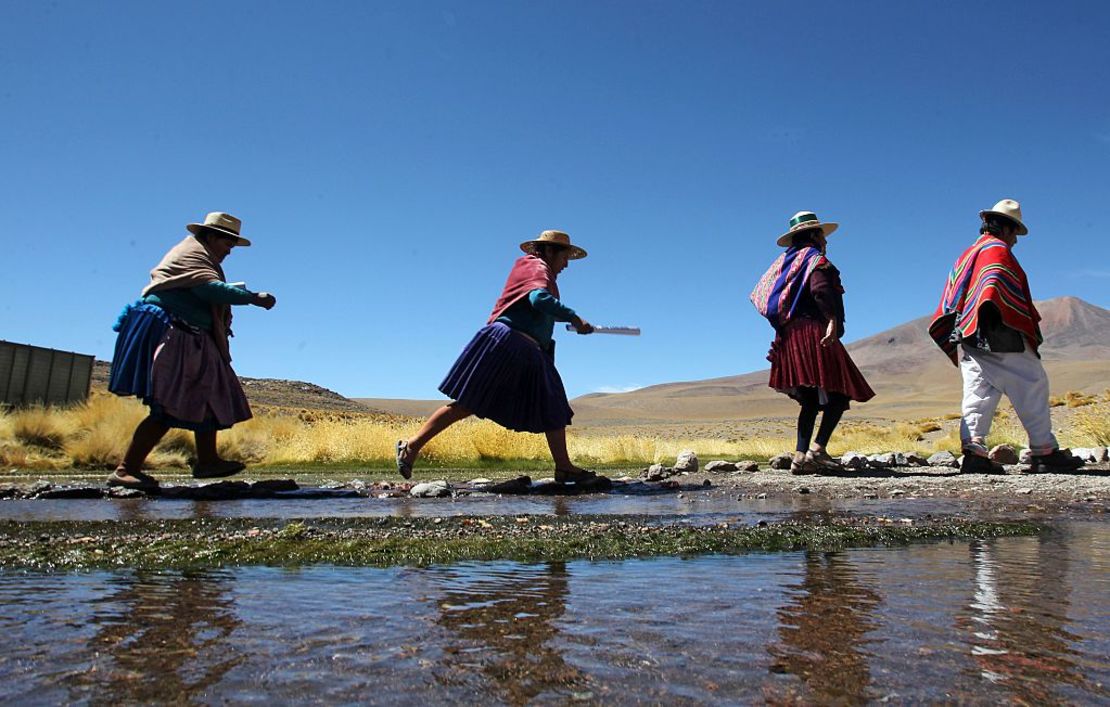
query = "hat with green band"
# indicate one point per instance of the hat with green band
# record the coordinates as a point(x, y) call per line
point(804, 221)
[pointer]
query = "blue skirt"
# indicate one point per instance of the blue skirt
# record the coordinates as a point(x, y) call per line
point(141, 328)
point(506, 377)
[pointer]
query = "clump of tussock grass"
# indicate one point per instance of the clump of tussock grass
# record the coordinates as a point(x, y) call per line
point(100, 430)
point(38, 426)
point(1090, 427)
point(871, 438)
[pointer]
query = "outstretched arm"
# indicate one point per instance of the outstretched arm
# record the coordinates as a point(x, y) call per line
point(544, 301)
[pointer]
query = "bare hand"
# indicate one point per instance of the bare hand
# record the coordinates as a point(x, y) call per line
point(830, 336)
point(264, 300)
point(583, 327)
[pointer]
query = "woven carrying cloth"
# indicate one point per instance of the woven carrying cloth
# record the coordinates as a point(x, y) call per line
point(986, 272)
point(529, 273)
point(778, 291)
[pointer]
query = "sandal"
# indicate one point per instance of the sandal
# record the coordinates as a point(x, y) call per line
point(573, 477)
point(404, 467)
point(823, 460)
point(132, 480)
point(803, 468)
point(222, 468)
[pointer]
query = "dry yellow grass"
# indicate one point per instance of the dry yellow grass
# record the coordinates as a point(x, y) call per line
point(1090, 428)
point(96, 433)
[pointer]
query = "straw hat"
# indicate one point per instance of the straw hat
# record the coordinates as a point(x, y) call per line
point(554, 238)
point(803, 221)
point(1007, 208)
point(221, 224)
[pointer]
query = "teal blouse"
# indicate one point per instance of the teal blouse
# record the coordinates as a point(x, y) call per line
point(536, 315)
point(194, 304)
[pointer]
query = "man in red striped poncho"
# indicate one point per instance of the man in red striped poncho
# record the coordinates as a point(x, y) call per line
point(989, 327)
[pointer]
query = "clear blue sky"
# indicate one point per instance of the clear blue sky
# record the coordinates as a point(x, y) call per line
point(387, 158)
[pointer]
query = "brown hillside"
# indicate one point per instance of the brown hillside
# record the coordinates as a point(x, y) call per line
point(273, 393)
point(910, 376)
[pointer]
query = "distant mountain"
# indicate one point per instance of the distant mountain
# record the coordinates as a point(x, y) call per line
point(908, 372)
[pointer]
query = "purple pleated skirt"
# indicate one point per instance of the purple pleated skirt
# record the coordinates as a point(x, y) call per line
point(504, 376)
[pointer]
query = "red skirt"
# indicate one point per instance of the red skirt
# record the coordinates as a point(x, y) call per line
point(798, 360)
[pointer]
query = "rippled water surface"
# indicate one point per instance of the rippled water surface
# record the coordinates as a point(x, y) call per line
point(1022, 619)
point(693, 506)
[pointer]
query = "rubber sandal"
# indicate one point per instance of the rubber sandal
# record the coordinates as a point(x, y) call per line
point(132, 480)
point(404, 468)
point(222, 468)
point(823, 460)
point(805, 467)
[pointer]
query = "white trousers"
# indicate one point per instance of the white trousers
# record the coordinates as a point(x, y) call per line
point(1022, 378)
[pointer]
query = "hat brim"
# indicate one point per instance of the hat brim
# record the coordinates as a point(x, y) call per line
point(826, 228)
point(1022, 230)
point(576, 253)
point(199, 228)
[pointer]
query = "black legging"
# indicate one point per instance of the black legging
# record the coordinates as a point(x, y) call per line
point(807, 417)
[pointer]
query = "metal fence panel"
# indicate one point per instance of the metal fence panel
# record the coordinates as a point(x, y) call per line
point(36, 375)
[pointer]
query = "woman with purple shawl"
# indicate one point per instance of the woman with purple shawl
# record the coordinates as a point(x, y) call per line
point(172, 351)
point(507, 372)
point(801, 295)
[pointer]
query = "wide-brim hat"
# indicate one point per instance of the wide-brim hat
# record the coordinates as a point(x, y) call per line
point(221, 224)
point(804, 221)
point(553, 238)
point(1007, 208)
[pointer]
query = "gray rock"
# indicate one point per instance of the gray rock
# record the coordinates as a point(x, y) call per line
point(657, 472)
point(883, 460)
point(687, 461)
point(519, 485)
point(1082, 453)
point(58, 492)
point(943, 459)
point(595, 484)
point(274, 485)
point(781, 461)
point(853, 460)
point(1026, 456)
point(900, 459)
point(1091, 455)
point(430, 489)
point(118, 492)
point(747, 465)
point(1004, 454)
point(720, 466)
point(915, 459)
point(1101, 454)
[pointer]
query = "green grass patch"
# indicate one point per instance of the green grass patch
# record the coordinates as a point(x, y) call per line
point(384, 542)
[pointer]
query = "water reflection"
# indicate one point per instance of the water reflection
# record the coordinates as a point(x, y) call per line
point(160, 637)
point(823, 627)
point(503, 623)
point(1017, 620)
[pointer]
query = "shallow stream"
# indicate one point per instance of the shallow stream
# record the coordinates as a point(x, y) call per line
point(1024, 619)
